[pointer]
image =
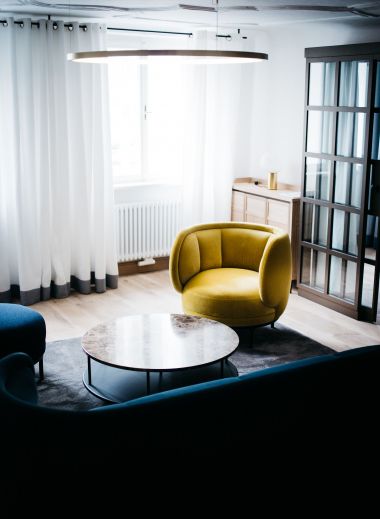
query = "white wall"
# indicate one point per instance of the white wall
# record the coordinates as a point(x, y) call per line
point(277, 110)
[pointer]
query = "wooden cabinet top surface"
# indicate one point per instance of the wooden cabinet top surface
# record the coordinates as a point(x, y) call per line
point(285, 194)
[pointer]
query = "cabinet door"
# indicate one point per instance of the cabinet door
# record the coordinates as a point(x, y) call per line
point(237, 216)
point(238, 201)
point(279, 214)
point(238, 206)
point(256, 211)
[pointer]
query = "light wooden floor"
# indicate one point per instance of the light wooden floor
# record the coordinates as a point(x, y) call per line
point(153, 293)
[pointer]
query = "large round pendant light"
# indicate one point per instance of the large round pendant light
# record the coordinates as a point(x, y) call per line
point(189, 56)
point(184, 56)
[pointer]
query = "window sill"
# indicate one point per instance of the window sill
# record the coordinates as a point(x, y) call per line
point(139, 191)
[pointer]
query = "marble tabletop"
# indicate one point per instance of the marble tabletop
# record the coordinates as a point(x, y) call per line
point(159, 342)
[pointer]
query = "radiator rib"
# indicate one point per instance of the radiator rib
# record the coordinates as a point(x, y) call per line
point(146, 229)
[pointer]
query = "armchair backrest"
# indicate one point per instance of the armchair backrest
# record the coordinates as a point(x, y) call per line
point(219, 245)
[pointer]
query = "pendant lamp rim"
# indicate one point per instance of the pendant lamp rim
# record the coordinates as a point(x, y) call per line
point(103, 55)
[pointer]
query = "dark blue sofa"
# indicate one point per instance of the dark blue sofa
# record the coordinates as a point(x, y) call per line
point(319, 402)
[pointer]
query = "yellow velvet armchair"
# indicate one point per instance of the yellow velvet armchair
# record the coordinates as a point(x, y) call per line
point(235, 273)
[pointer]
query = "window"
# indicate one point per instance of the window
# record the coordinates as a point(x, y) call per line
point(126, 124)
point(147, 122)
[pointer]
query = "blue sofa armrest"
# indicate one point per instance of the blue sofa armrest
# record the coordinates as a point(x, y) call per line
point(17, 380)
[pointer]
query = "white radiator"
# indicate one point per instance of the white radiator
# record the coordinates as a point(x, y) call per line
point(146, 229)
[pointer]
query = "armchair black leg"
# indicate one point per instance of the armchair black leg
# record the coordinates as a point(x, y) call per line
point(272, 325)
point(41, 369)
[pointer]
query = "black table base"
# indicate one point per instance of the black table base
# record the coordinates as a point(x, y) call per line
point(120, 385)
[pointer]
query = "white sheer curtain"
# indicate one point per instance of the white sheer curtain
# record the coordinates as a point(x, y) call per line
point(56, 199)
point(211, 142)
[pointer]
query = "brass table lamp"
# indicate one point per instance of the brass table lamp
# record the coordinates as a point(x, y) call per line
point(272, 180)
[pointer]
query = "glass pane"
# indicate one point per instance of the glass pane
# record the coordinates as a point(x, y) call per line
point(339, 241)
point(374, 189)
point(348, 183)
point(315, 219)
point(125, 120)
point(166, 120)
point(321, 84)
point(353, 83)
point(368, 285)
point(353, 234)
point(375, 155)
point(370, 253)
point(321, 220)
point(350, 281)
point(308, 210)
point(313, 268)
point(377, 93)
point(335, 276)
point(342, 278)
point(317, 182)
point(371, 237)
point(319, 132)
point(306, 266)
point(351, 133)
point(338, 230)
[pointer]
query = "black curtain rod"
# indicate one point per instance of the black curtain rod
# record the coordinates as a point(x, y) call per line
point(84, 27)
point(227, 36)
point(37, 24)
point(146, 30)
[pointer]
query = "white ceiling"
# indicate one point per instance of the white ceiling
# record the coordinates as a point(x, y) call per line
point(227, 13)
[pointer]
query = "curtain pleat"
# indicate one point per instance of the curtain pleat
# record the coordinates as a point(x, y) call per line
point(56, 198)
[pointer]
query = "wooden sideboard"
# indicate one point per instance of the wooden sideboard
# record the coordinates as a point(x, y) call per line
point(278, 207)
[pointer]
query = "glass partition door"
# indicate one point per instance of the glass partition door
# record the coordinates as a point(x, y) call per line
point(371, 255)
point(340, 206)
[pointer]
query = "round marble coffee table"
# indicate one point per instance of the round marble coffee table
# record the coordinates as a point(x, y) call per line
point(141, 354)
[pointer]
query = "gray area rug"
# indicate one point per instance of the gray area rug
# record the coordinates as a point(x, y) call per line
point(65, 362)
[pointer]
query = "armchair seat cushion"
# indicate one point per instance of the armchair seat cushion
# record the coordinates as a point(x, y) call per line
point(229, 295)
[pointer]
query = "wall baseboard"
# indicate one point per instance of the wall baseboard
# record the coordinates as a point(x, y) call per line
point(130, 267)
